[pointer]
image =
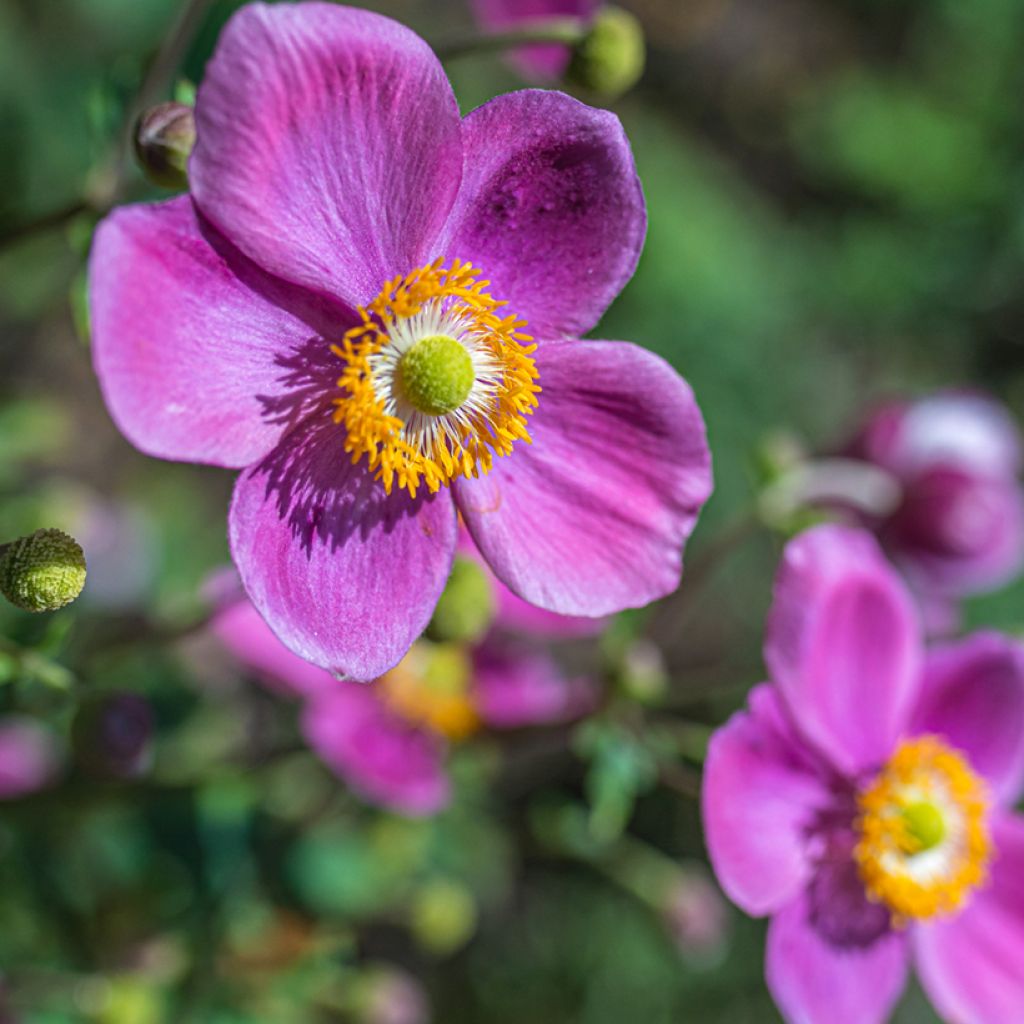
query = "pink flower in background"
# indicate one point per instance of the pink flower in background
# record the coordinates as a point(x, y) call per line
point(28, 757)
point(389, 739)
point(543, 61)
point(959, 529)
point(863, 799)
point(319, 314)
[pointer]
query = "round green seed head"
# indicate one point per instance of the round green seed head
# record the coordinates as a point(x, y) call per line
point(924, 824)
point(610, 60)
point(42, 572)
point(436, 375)
point(466, 609)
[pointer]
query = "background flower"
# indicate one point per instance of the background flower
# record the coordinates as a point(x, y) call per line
point(815, 797)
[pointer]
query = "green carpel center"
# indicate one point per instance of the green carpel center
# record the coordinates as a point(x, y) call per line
point(924, 824)
point(436, 374)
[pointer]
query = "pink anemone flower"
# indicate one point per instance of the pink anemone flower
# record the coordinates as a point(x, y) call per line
point(389, 740)
point(863, 800)
point(318, 313)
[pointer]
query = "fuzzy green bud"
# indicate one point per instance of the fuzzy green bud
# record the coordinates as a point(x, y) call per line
point(466, 609)
point(42, 572)
point(610, 59)
point(164, 137)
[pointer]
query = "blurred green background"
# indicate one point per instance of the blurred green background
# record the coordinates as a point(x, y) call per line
point(836, 199)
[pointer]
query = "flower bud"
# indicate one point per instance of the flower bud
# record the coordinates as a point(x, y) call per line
point(113, 735)
point(610, 59)
point(164, 137)
point(42, 572)
point(467, 606)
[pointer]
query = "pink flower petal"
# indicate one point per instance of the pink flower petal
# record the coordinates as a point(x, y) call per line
point(382, 757)
point(843, 644)
point(346, 575)
point(550, 208)
point(328, 145)
point(973, 695)
point(972, 965)
point(818, 981)
point(193, 345)
point(592, 517)
point(762, 792)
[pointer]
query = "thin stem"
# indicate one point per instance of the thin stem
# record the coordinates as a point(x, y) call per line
point(45, 222)
point(567, 31)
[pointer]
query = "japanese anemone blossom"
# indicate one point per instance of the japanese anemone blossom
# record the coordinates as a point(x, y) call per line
point(541, 61)
point(862, 799)
point(340, 309)
point(389, 740)
point(959, 526)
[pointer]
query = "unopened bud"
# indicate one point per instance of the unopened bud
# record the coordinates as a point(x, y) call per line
point(610, 59)
point(164, 137)
point(42, 572)
point(466, 609)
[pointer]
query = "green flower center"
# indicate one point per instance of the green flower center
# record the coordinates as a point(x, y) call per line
point(925, 825)
point(436, 375)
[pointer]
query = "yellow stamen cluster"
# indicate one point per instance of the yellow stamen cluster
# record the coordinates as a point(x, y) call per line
point(430, 687)
point(464, 442)
point(924, 842)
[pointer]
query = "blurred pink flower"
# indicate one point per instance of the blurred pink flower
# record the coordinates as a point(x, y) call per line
point(28, 757)
point(863, 800)
point(546, 62)
point(389, 739)
point(959, 528)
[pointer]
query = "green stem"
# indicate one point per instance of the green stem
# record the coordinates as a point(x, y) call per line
point(567, 31)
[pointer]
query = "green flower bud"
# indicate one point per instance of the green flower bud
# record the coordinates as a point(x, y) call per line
point(164, 137)
point(467, 606)
point(610, 59)
point(42, 572)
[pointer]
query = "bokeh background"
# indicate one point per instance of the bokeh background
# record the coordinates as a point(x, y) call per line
point(836, 198)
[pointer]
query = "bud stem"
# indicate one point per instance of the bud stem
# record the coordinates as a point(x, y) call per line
point(567, 31)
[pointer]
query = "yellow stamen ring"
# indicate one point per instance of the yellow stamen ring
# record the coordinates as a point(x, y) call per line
point(436, 382)
point(924, 841)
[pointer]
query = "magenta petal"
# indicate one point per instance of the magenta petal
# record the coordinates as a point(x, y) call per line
point(843, 643)
point(973, 696)
point(817, 980)
point(592, 517)
point(193, 345)
point(515, 686)
point(762, 792)
point(328, 145)
point(972, 965)
point(550, 208)
point(542, 61)
point(382, 757)
point(346, 575)
point(241, 629)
